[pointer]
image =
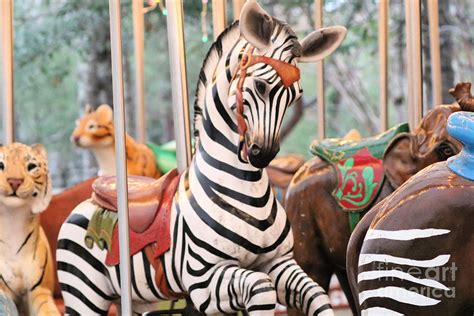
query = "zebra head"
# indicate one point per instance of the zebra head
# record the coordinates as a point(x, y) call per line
point(267, 82)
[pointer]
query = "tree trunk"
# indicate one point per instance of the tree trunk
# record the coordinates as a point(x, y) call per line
point(95, 74)
point(95, 83)
point(425, 44)
point(447, 51)
point(129, 95)
point(397, 90)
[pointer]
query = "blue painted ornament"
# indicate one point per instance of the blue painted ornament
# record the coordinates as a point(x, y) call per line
point(461, 127)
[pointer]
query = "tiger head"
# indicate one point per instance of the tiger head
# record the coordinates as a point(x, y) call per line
point(94, 128)
point(24, 177)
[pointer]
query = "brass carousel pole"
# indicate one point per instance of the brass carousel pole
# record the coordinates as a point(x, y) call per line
point(414, 62)
point(139, 46)
point(383, 63)
point(179, 92)
point(218, 16)
point(409, 60)
point(433, 17)
point(6, 70)
point(237, 8)
point(318, 18)
point(120, 155)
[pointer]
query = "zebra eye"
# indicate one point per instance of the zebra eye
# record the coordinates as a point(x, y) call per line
point(2, 166)
point(32, 166)
point(261, 87)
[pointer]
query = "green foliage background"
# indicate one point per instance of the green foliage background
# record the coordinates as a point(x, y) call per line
point(53, 39)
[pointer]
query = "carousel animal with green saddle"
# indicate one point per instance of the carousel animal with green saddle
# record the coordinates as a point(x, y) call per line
point(330, 193)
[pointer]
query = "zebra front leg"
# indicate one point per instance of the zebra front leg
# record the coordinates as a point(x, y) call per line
point(295, 289)
point(82, 274)
point(231, 288)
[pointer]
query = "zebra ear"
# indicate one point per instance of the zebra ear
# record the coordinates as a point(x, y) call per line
point(321, 43)
point(256, 25)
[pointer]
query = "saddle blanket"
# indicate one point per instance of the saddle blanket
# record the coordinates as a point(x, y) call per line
point(358, 165)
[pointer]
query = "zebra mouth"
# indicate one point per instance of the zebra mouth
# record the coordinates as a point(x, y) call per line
point(260, 161)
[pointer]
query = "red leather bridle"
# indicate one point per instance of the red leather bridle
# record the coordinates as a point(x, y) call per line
point(287, 72)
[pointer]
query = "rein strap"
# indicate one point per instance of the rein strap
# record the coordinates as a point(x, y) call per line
point(287, 72)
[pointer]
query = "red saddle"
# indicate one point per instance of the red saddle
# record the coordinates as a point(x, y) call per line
point(144, 197)
point(149, 203)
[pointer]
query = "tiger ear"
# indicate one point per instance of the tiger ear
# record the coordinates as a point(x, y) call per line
point(40, 150)
point(88, 109)
point(256, 25)
point(105, 111)
point(321, 43)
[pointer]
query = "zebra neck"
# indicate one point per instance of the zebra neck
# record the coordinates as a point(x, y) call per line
point(219, 137)
point(219, 68)
point(217, 164)
point(217, 157)
point(229, 186)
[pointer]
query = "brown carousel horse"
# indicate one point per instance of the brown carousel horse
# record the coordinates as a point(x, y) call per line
point(332, 191)
point(412, 254)
point(282, 169)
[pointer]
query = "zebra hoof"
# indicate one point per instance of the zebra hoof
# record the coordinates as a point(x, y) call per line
point(7, 306)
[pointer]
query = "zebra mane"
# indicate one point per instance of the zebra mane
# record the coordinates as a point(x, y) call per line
point(213, 56)
point(208, 66)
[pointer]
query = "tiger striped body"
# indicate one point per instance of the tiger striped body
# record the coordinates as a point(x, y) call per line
point(231, 243)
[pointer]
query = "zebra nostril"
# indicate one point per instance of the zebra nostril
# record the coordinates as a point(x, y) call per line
point(255, 149)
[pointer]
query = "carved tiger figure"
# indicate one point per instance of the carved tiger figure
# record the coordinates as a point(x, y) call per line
point(26, 272)
point(95, 130)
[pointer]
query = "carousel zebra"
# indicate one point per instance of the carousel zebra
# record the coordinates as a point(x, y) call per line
point(231, 243)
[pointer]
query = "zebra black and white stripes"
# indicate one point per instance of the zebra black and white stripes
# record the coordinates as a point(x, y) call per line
point(398, 281)
point(87, 284)
point(231, 242)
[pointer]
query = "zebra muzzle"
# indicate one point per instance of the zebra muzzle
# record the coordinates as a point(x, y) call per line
point(261, 156)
